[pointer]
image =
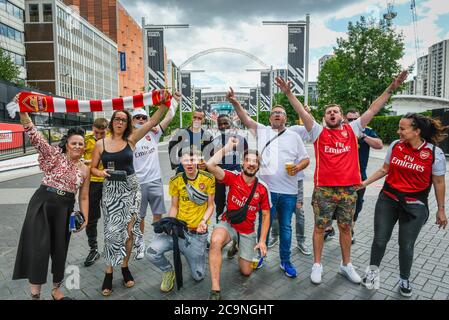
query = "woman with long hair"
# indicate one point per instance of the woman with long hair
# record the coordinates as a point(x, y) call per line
point(45, 232)
point(413, 164)
point(121, 197)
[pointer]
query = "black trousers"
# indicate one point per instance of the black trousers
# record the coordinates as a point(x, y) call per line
point(45, 234)
point(220, 198)
point(386, 214)
point(95, 194)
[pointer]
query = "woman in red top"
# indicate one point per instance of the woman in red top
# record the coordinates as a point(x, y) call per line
point(45, 232)
point(412, 165)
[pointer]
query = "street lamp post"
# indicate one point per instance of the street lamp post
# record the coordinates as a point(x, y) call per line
point(180, 72)
point(306, 23)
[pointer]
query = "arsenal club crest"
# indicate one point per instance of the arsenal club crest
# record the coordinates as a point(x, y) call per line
point(424, 154)
point(202, 186)
point(344, 133)
point(35, 103)
point(148, 138)
point(256, 195)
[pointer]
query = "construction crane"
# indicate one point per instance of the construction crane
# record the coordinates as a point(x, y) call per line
point(415, 26)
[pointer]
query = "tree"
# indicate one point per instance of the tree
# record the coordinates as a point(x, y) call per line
point(8, 70)
point(363, 66)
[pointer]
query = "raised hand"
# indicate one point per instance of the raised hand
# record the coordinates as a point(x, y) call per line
point(232, 143)
point(283, 85)
point(177, 96)
point(231, 96)
point(398, 80)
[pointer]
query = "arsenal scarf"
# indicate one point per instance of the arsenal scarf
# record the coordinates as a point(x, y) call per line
point(35, 102)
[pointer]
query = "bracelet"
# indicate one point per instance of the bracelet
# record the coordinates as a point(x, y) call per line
point(26, 121)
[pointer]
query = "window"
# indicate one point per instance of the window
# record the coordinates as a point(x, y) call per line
point(34, 12)
point(9, 8)
point(3, 5)
point(48, 14)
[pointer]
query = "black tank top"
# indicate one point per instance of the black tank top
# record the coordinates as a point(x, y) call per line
point(123, 159)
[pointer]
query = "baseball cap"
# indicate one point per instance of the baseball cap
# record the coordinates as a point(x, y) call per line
point(140, 111)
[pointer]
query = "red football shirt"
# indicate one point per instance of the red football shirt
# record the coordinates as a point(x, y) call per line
point(410, 169)
point(337, 158)
point(238, 194)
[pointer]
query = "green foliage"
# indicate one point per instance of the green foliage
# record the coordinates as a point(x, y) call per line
point(386, 127)
point(364, 65)
point(8, 70)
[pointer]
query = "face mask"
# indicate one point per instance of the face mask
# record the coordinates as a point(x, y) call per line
point(196, 124)
point(137, 126)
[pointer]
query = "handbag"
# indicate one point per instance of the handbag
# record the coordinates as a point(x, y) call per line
point(194, 194)
point(239, 215)
point(117, 175)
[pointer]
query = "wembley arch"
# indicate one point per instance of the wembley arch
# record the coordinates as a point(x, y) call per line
point(227, 50)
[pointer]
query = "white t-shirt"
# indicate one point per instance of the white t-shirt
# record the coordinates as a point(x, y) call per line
point(302, 131)
point(317, 128)
point(146, 157)
point(288, 147)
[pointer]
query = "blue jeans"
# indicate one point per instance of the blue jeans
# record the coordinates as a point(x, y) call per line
point(284, 205)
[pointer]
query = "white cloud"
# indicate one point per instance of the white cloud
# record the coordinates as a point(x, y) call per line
point(269, 43)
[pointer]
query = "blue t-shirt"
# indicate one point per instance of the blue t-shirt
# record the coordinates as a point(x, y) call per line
point(364, 151)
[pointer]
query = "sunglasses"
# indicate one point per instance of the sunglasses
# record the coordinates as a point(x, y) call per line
point(123, 120)
point(351, 119)
point(278, 113)
point(141, 117)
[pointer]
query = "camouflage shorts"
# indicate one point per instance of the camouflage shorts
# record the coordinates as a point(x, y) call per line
point(333, 201)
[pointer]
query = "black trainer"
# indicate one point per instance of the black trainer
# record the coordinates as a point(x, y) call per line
point(92, 257)
point(404, 288)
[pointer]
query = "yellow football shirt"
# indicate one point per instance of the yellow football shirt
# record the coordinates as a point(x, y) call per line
point(89, 144)
point(188, 211)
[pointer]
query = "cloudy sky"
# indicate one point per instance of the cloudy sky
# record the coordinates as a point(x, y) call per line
point(238, 24)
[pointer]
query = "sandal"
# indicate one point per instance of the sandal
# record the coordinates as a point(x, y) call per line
point(128, 280)
point(56, 288)
point(106, 288)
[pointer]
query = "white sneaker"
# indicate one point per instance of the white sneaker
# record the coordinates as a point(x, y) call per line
point(371, 280)
point(349, 272)
point(141, 254)
point(315, 276)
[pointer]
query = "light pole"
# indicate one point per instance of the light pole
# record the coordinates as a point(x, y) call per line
point(149, 28)
point(258, 90)
point(180, 72)
point(305, 23)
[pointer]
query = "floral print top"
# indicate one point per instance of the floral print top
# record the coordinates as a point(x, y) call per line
point(59, 171)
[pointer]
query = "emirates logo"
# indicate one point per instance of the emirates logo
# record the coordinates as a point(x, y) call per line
point(424, 154)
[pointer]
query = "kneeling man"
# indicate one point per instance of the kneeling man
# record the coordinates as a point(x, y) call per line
point(242, 186)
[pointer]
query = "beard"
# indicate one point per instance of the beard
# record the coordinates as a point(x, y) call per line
point(333, 126)
point(249, 174)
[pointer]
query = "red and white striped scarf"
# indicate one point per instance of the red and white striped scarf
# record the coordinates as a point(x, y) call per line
point(35, 102)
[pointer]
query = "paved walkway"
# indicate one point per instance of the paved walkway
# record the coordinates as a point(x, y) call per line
point(430, 272)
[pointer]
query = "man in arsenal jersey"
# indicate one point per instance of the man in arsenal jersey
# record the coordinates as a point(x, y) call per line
point(337, 172)
point(241, 186)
